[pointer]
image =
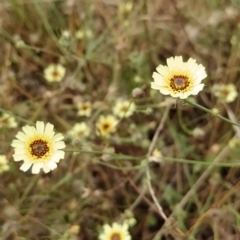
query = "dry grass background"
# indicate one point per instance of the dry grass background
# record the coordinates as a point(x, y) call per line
point(119, 52)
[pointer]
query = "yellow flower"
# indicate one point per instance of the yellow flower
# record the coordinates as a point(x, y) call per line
point(215, 111)
point(4, 166)
point(106, 125)
point(225, 92)
point(234, 143)
point(128, 218)
point(74, 229)
point(38, 147)
point(116, 232)
point(156, 156)
point(79, 130)
point(84, 109)
point(6, 120)
point(179, 79)
point(124, 108)
point(71, 233)
point(54, 73)
point(81, 34)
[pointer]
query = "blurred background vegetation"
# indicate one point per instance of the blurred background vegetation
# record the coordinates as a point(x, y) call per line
point(108, 48)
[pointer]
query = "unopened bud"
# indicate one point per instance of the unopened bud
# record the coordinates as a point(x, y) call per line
point(137, 93)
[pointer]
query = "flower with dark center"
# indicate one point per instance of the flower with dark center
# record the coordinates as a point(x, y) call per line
point(38, 147)
point(179, 79)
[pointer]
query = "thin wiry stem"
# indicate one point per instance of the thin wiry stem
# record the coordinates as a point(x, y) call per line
point(209, 111)
point(150, 150)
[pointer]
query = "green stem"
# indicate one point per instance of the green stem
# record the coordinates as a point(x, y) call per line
point(209, 111)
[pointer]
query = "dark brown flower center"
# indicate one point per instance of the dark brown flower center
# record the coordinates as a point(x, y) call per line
point(179, 83)
point(124, 108)
point(55, 73)
point(39, 148)
point(84, 107)
point(115, 236)
point(5, 120)
point(106, 126)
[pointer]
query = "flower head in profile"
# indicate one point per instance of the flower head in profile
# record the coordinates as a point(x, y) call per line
point(106, 125)
point(225, 92)
point(179, 79)
point(84, 109)
point(124, 108)
point(39, 147)
point(4, 165)
point(115, 232)
point(54, 73)
point(79, 130)
point(8, 121)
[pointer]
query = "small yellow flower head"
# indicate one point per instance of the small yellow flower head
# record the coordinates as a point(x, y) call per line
point(225, 92)
point(80, 130)
point(234, 143)
point(74, 229)
point(124, 108)
point(128, 6)
point(4, 166)
point(54, 73)
point(39, 147)
point(115, 232)
point(84, 109)
point(156, 156)
point(214, 111)
point(71, 233)
point(7, 121)
point(81, 34)
point(20, 43)
point(179, 79)
point(129, 218)
point(125, 7)
point(106, 125)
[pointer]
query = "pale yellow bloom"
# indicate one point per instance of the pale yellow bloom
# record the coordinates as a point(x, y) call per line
point(125, 7)
point(80, 130)
point(129, 219)
point(106, 125)
point(71, 233)
point(39, 147)
point(115, 232)
point(215, 111)
point(74, 229)
point(124, 108)
point(156, 156)
point(81, 34)
point(225, 92)
point(179, 79)
point(4, 165)
point(54, 73)
point(8, 121)
point(84, 109)
point(234, 143)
